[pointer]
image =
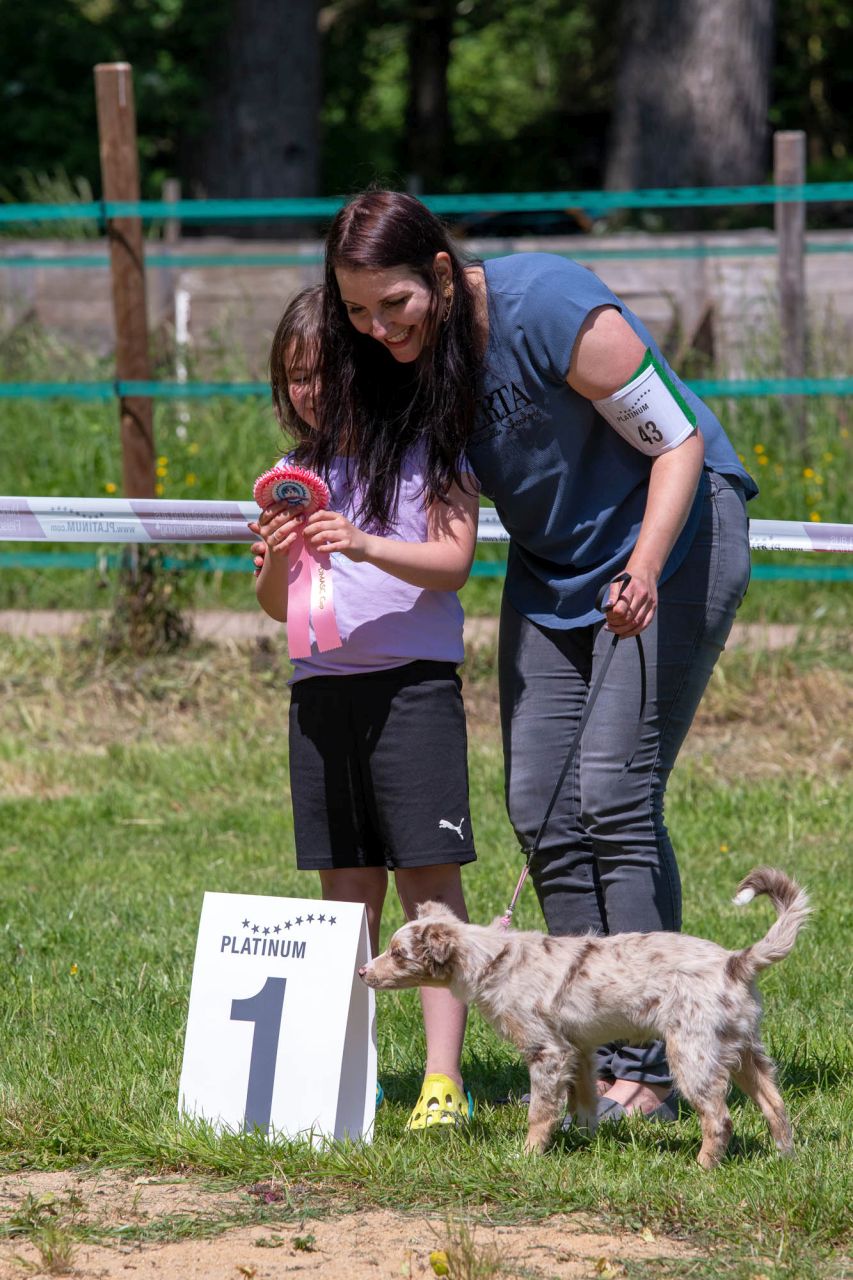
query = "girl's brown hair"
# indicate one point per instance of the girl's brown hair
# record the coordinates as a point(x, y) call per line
point(296, 343)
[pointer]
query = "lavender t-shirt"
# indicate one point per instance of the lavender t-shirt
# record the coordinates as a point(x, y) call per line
point(382, 621)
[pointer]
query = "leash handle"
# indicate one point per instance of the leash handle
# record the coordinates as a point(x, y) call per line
point(622, 578)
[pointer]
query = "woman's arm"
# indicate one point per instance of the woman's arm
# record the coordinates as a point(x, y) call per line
point(605, 356)
point(442, 563)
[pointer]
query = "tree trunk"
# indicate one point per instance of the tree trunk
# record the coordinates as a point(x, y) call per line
point(262, 135)
point(427, 115)
point(692, 94)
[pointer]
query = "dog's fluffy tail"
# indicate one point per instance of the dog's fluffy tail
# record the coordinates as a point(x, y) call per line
point(792, 905)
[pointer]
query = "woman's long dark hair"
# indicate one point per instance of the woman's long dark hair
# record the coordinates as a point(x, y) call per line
point(371, 406)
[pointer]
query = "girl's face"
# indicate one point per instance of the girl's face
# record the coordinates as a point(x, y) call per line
point(301, 382)
point(393, 306)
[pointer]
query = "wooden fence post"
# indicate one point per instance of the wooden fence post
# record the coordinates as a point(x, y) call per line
point(120, 181)
point(789, 169)
point(171, 195)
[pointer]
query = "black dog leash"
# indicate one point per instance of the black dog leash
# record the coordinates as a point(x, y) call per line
point(624, 578)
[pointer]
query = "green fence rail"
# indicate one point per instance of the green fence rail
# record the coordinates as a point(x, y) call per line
point(745, 388)
point(174, 261)
point(593, 202)
point(243, 564)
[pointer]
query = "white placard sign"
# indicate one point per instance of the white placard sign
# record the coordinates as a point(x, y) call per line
point(281, 1031)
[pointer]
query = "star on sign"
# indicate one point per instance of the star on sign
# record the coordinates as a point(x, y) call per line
point(321, 919)
point(287, 924)
point(266, 931)
point(245, 924)
point(333, 919)
point(299, 919)
point(310, 919)
point(255, 928)
point(277, 929)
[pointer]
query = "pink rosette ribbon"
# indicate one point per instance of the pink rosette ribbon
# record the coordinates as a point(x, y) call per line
point(309, 589)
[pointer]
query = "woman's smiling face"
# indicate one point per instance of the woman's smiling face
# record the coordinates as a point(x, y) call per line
point(394, 306)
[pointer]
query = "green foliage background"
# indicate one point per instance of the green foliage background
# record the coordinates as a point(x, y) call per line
point(531, 85)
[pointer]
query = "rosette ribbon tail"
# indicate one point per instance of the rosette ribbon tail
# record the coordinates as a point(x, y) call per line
point(310, 597)
point(323, 618)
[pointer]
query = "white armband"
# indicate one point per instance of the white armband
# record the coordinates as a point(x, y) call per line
point(649, 411)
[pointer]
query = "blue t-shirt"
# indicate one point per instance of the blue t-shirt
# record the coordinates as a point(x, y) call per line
point(570, 491)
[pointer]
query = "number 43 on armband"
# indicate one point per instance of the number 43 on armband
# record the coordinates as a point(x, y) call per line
point(649, 433)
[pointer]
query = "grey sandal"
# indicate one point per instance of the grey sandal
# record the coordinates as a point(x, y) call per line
point(611, 1112)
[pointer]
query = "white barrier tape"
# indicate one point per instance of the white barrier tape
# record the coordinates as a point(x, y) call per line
point(157, 520)
point(764, 535)
point(124, 520)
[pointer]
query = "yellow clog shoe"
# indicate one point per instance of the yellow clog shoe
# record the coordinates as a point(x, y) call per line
point(441, 1102)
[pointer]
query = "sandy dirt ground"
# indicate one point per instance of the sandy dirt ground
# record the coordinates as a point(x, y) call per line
point(142, 1213)
point(241, 626)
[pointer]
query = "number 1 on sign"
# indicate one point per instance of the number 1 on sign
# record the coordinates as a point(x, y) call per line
point(265, 1010)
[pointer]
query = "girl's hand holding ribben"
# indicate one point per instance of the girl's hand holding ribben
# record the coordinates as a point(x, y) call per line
point(328, 531)
point(279, 527)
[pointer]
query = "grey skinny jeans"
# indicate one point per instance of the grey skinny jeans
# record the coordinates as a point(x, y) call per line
point(606, 863)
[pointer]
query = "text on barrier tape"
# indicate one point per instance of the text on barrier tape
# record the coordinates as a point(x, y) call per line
point(159, 520)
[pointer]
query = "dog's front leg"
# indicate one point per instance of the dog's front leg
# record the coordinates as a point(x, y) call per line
point(550, 1072)
point(583, 1095)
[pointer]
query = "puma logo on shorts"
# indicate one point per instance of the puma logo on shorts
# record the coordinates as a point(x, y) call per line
point(445, 825)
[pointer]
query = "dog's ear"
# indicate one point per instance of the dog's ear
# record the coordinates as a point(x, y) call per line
point(435, 910)
point(437, 945)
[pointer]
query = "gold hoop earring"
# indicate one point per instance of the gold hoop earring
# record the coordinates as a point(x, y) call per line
point(448, 303)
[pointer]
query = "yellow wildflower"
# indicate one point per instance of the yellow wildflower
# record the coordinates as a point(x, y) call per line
point(193, 447)
point(109, 487)
point(190, 478)
point(159, 489)
point(763, 459)
point(828, 457)
point(162, 461)
point(815, 515)
point(724, 848)
point(807, 473)
point(73, 970)
point(759, 448)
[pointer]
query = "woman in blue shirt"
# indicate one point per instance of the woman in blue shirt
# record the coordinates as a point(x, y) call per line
point(528, 365)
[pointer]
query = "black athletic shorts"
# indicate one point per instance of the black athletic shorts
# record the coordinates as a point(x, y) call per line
point(379, 769)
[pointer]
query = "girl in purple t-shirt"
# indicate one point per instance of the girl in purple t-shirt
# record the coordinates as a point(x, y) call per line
point(378, 748)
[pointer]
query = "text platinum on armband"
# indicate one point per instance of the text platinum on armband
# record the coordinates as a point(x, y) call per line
point(649, 411)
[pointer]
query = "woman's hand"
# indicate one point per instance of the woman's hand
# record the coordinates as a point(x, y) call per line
point(329, 531)
point(278, 527)
point(634, 604)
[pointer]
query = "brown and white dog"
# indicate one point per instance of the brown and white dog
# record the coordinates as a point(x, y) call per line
point(556, 999)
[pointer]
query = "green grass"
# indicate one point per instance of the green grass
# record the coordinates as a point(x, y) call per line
point(72, 448)
point(130, 789)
